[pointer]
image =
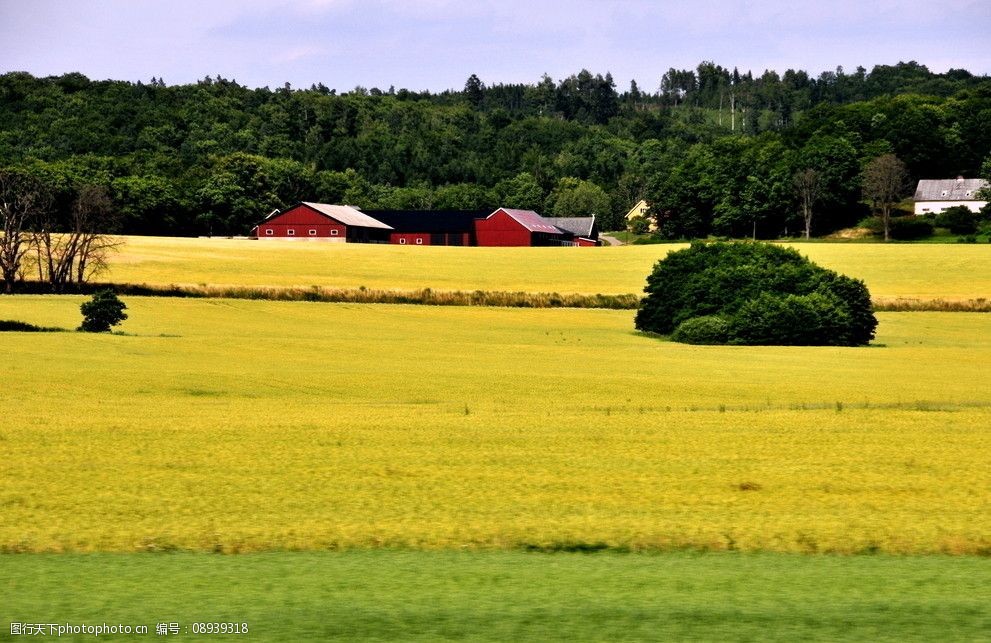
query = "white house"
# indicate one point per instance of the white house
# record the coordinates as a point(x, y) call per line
point(936, 195)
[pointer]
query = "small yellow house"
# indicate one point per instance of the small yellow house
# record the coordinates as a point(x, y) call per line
point(641, 211)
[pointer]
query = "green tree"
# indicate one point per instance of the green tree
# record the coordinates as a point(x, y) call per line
point(464, 196)
point(885, 183)
point(474, 91)
point(521, 191)
point(576, 198)
point(237, 193)
point(984, 193)
point(147, 204)
point(102, 312)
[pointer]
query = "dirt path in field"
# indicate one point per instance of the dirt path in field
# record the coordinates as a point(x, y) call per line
point(612, 241)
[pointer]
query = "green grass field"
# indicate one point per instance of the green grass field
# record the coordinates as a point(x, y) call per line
point(499, 596)
point(893, 270)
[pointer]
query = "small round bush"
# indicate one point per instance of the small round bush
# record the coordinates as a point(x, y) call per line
point(102, 312)
point(765, 293)
point(707, 329)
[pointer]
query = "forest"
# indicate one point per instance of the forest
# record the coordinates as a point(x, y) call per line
point(715, 151)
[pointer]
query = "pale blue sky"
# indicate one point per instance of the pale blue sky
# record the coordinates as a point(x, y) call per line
point(436, 44)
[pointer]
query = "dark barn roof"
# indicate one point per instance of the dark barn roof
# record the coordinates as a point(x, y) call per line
point(429, 221)
point(578, 226)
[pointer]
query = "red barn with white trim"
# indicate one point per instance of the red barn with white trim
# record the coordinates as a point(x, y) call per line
point(320, 221)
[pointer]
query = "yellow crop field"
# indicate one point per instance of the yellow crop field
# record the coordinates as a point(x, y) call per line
point(247, 425)
point(950, 272)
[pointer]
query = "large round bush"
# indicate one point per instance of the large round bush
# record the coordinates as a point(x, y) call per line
point(765, 294)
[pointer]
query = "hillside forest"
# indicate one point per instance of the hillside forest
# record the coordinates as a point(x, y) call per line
point(714, 150)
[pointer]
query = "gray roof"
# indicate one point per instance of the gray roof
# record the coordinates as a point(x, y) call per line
point(348, 215)
point(578, 226)
point(958, 189)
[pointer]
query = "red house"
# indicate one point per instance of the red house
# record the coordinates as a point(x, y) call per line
point(320, 221)
point(508, 227)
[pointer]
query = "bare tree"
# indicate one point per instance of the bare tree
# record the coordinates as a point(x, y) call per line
point(76, 249)
point(23, 200)
point(94, 217)
point(808, 185)
point(885, 183)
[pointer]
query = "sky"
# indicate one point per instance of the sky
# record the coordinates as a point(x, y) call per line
point(437, 44)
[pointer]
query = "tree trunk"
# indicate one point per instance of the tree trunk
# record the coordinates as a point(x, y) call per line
point(732, 111)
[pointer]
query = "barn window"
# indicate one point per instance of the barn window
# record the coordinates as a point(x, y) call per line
point(419, 241)
point(334, 232)
point(291, 232)
point(268, 232)
point(402, 241)
point(313, 233)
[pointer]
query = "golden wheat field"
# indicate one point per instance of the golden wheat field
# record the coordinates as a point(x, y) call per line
point(896, 270)
point(247, 425)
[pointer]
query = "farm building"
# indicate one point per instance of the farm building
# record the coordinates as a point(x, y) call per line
point(936, 195)
point(584, 229)
point(320, 221)
point(508, 227)
point(504, 227)
point(430, 228)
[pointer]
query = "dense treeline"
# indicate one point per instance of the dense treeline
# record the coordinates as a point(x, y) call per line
point(714, 150)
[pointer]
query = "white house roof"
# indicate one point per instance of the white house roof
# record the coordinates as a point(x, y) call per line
point(347, 215)
point(958, 189)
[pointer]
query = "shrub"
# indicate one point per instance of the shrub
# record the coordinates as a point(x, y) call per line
point(767, 295)
point(102, 312)
point(792, 320)
point(958, 220)
point(910, 228)
point(708, 329)
point(639, 225)
point(17, 326)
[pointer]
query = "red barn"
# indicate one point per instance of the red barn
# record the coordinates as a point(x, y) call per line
point(508, 227)
point(320, 221)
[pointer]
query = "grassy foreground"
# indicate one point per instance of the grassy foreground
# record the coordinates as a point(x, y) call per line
point(499, 596)
point(219, 425)
point(890, 270)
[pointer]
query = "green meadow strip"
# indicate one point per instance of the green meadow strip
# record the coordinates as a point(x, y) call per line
point(502, 596)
